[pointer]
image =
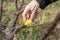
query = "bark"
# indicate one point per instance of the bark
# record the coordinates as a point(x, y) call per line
point(1, 9)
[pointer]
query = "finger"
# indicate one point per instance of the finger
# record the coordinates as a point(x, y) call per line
point(36, 14)
point(28, 14)
point(24, 14)
point(33, 15)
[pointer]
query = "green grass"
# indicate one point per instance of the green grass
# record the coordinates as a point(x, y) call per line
point(1, 38)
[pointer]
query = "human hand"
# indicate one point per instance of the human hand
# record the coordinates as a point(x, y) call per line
point(30, 11)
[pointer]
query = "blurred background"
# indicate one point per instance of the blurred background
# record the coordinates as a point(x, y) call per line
point(32, 33)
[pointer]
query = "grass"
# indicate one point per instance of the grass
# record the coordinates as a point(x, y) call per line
point(1, 38)
point(45, 16)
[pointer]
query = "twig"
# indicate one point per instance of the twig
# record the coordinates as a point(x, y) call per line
point(1, 9)
point(21, 5)
point(19, 11)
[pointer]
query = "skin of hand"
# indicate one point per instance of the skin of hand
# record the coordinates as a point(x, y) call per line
point(30, 11)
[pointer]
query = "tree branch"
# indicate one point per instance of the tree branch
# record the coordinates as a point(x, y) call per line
point(1, 9)
point(51, 27)
point(19, 11)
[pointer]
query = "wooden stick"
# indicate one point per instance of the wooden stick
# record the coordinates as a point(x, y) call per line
point(1, 9)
